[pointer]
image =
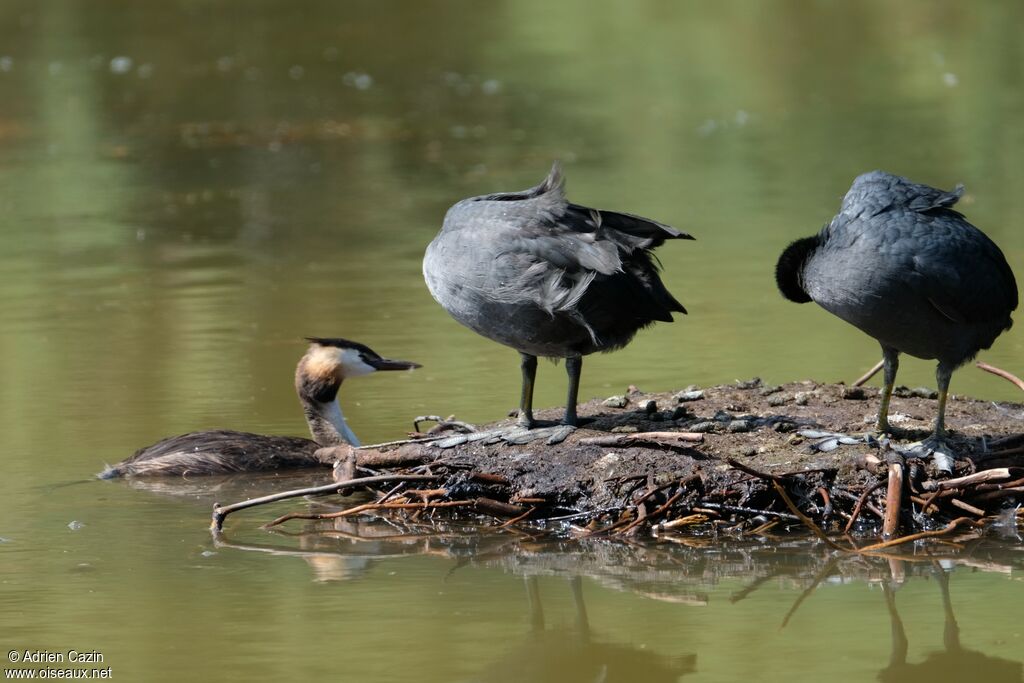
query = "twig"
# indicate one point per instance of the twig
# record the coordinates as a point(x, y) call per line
point(1001, 373)
point(893, 500)
point(746, 511)
point(860, 504)
point(781, 490)
point(585, 513)
point(658, 511)
point(916, 537)
point(869, 374)
point(366, 507)
point(517, 519)
point(967, 507)
point(654, 438)
point(970, 479)
point(688, 520)
point(220, 512)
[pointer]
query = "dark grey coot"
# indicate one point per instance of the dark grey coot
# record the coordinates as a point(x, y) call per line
point(902, 265)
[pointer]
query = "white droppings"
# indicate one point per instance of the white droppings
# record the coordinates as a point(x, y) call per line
point(121, 65)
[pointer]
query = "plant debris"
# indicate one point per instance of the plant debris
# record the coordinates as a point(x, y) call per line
point(740, 459)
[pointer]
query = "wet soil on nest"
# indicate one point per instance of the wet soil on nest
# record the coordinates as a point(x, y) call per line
point(743, 455)
point(752, 423)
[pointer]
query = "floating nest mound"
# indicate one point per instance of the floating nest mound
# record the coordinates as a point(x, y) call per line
point(731, 458)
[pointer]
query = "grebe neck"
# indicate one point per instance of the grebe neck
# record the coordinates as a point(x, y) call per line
point(327, 424)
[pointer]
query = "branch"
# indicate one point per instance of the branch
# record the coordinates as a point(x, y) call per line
point(1001, 373)
point(220, 512)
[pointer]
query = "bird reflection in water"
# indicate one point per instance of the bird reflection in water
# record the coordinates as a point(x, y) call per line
point(954, 662)
point(574, 654)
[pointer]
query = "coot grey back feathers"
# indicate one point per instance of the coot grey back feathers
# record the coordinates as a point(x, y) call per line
point(900, 263)
point(549, 278)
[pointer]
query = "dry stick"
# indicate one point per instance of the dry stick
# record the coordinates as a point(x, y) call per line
point(517, 519)
point(1001, 373)
point(869, 374)
point(658, 511)
point(929, 501)
point(916, 537)
point(744, 510)
point(867, 505)
point(1002, 493)
point(860, 504)
point(976, 478)
point(657, 438)
point(684, 521)
point(366, 507)
point(805, 519)
point(220, 513)
point(967, 507)
point(893, 500)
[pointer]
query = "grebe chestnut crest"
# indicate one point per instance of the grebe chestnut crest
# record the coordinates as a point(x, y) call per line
point(318, 377)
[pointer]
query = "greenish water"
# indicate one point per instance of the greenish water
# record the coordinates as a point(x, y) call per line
point(187, 188)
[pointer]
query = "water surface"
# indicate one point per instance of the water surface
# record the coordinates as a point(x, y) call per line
point(189, 187)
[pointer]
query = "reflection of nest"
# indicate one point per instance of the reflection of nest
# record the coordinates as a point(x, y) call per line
point(682, 573)
point(344, 549)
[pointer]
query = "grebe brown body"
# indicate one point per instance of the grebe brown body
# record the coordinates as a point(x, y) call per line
point(318, 377)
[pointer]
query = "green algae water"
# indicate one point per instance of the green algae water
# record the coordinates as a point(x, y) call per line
point(188, 188)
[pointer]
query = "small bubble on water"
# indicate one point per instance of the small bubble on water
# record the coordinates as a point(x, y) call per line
point(208, 553)
point(330, 54)
point(120, 65)
point(490, 87)
point(75, 525)
point(742, 117)
point(296, 72)
point(358, 80)
point(144, 70)
point(6, 63)
point(55, 68)
point(252, 73)
point(140, 235)
point(950, 79)
point(225, 64)
point(707, 128)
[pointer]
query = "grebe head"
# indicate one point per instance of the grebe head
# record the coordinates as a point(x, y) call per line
point(327, 363)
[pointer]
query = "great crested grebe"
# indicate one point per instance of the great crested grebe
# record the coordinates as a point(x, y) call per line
point(318, 376)
point(902, 265)
point(548, 278)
